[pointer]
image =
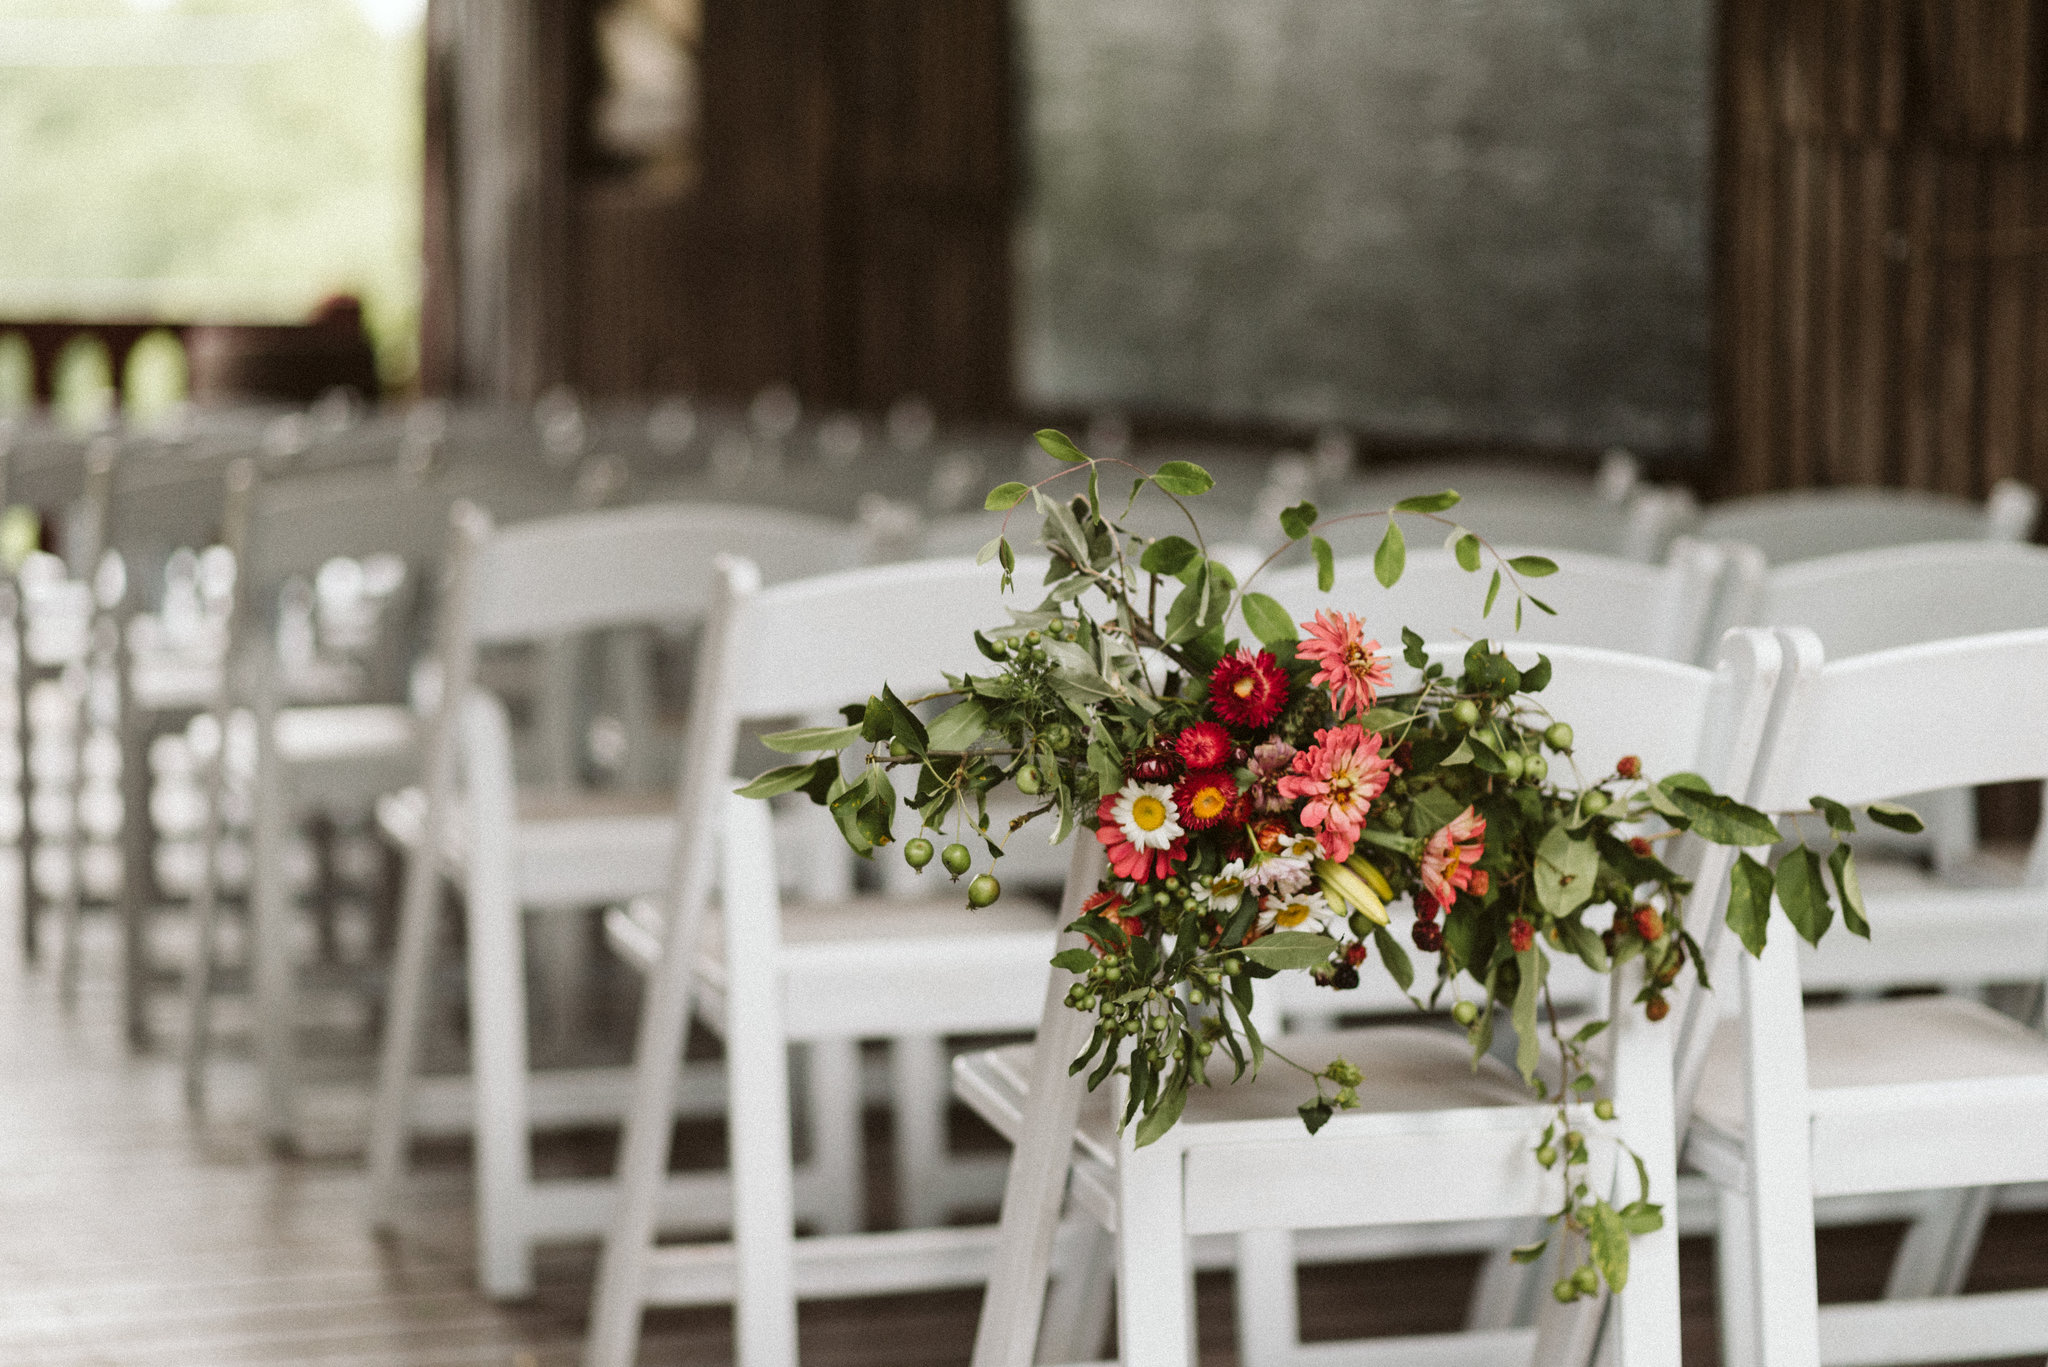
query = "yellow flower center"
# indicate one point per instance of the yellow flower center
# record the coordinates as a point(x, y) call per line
point(1357, 660)
point(1208, 803)
point(1148, 813)
point(1291, 915)
point(1243, 686)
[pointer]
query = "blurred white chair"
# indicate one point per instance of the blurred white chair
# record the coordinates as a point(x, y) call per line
point(764, 974)
point(510, 852)
point(1803, 524)
point(1866, 1098)
point(1239, 1165)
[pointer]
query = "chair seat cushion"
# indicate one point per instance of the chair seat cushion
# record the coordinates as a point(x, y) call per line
point(361, 731)
point(1860, 1044)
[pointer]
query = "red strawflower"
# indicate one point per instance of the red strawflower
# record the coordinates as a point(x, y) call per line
point(1205, 745)
point(1521, 935)
point(1155, 764)
point(1205, 799)
point(1247, 689)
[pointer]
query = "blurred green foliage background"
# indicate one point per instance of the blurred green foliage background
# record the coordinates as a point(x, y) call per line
point(212, 160)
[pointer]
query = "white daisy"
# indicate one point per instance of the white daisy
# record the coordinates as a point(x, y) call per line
point(1286, 869)
point(1144, 813)
point(1305, 910)
point(1225, 889)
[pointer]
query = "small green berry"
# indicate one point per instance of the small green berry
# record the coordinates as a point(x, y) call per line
point(956, 859)
point(1465, 712)
point(1028, 781)
point(1513, 763)
point(1593, 802)
point(1566, 1291)
point(1558, 736)
point(1465, 1013)
point(1574, 1140)
point(1535, 768)
point(917, 853)
point(983, 890)
point(1604, 1108)
point(1233, 967)
point(1547, 1155)
point(1586, 1279)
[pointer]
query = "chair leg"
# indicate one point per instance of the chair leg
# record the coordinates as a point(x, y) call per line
point(1935, 1258)
point(837, 1147)
point(919, 1090)
point(1734, 1267)
point(1076, 1327)
point(68, 908)
point(498, 1053)
point(1155, 1274)
point(404, 1010)
point(205, 919)
point(1267, 1299)
point(138, 878)
point(273, 987)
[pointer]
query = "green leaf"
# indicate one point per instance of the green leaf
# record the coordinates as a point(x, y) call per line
point(1298, 521)
point(1534, 566)
point(989, 551)
point(1721, 819)
point(1316, 1114)
point(1395, 958)
point(1162, 1116)
point(1075, 960)
point(1528, 998)
point(1392, 556)
point(1609, 1240)
point(1285, 949)
point(786, 779)
point(810, 738)
point(1566, 870)
point(1896, 817)
point(1492, 592)
point(1544, 607)
point(1467, 551)
point(1428, 503)
point(1804, 895)
point(1529, 1253)
point(1326, 564)
point(1183, 477)
point(1749, 903)
point(908, 728)
point(1412, 648)
point(1005, 496)
point(1008, 558)
point(959, 726)
point(1536, 678)
point(1059, 447)
point(1268, 620)
point(1582, 940)
point(1842, 864)
point(1168, 555)
point(1640, 1217)
point(1840, 821)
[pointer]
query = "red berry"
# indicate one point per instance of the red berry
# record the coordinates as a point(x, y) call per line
point(1639, 845)
point(1629, 767)
point(1657, 1008)
point(1649, 924)
point(1354, 954)
point(1426, 906)
point(1521, 934)
point(1345, 978)
point(1428, 936)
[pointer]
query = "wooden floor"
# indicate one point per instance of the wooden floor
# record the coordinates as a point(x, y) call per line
point(130, 1234)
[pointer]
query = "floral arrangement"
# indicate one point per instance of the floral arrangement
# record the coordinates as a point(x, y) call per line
point(1260, 803)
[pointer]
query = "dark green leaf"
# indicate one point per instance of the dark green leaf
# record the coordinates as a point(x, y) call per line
point(1005, 496)
point(1316, 1114)
point(1326, 564)
point(1842, 864)
point(1536, 678)
point(1168, 555)
point(1412, 649)
point(959, 726)
point(1492, 592)
point(1298, 521)
point(1535, 566)
point(1059, 447)
point(1804, 895)
point(1721, 819)
point(1076, 960)
point(1162, 1116)
point(908, 729)
point(1749, 903)
point(1268, 620)
point(1541, 606)
point(1392, 556)
point(1008, 558)
point(1580, 939)
point(1286, 949)
point(1395, 958)
point(810, 738)
point(1840, 821)
point(1428, 503)
point(1529, 1253)
point(1183, 477)
point(1466, 549)
point(1898, 818)
point(786, 779)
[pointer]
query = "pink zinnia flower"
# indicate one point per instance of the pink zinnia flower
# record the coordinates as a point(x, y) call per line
point(1448, 858)
point(1351, 669)
point(1340, 775)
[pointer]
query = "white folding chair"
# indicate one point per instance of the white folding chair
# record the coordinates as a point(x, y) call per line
point(1432, 1141)
point(1803, 524)
point(1619, 517)
point(510, 852)
point(763, 973)
point(1866, 1098)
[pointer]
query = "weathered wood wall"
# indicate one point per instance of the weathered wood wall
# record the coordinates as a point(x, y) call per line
point(1882, 293)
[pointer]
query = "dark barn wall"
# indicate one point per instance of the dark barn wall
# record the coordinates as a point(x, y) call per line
point(1474, 219)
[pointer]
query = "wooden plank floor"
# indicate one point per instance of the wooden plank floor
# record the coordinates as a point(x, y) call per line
point(132, 1235)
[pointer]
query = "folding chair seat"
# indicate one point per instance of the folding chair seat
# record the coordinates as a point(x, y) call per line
point(1805, 524)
